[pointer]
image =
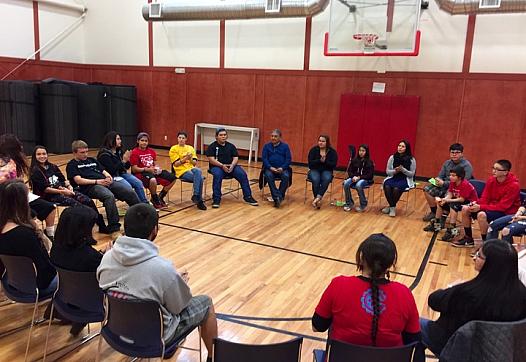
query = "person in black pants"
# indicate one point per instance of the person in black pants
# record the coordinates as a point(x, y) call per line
point(322, 161)
point(88, 175)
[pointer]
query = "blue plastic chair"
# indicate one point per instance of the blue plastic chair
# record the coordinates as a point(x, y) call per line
point(478, 185)
point(338, 351)
point(226, 351)
point(78, 298)
point(135, 328)
point(19, 282)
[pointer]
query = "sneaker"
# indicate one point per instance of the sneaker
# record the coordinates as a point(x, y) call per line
point(277, 203)
point(359, 209)
point(215, 204)
point(428, 217)
point(347, 208)
point(386, 210)
point(201, 205)
point(448, 235)
point(431, 226)
point(157, 205)
point(251, 201)
point(162, 195)
point(392, 211)
point(465, 242)
point(195, 199)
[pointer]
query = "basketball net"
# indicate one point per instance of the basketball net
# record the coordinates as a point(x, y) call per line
point(368, 40)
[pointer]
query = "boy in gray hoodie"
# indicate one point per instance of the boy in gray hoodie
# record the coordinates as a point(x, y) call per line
point(133, 267)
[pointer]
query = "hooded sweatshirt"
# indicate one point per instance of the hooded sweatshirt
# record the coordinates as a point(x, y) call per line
point(501, 196)
point(112, 162)
point(133, 267)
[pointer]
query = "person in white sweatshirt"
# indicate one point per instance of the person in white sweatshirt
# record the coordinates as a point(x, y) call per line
point(133, 268)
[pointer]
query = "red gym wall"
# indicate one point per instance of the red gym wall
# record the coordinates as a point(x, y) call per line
point(485, 112)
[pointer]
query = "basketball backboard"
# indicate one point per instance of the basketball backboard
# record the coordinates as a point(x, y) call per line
point(373, 28)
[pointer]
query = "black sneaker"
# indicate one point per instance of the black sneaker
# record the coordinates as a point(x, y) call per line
point(429, 216)
point(277, 203)
point(216, 204)
point(195, 199)
point(162, 195)
point(448, 235)
point(251, 201)
point(465, 242)
point(201, 205)
point(431, 226)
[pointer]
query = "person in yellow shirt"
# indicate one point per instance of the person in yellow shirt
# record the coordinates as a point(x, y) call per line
point(184, 159)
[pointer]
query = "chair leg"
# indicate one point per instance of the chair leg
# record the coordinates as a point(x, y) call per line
point(97, 358)
point(48, 329)
point(31, 328)
point(305, 192)
point(200, 346)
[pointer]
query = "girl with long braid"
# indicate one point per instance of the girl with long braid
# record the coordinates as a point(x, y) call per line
point(353, 305)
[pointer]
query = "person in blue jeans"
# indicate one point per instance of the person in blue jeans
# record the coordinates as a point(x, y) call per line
point(223, 158)
point(322, 161)
point(511, 225)
point(276, 158)
point(361, 174)
point(117, 162)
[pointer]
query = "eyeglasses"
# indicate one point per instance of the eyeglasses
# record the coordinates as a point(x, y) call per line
point(479, 255)
point(498, 169)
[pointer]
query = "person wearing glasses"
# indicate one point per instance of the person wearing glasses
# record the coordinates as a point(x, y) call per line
point(500, 198)
point(440, 184)
point(495, 294)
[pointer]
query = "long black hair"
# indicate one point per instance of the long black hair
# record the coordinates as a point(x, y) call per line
point(378, 254)
point(75, 226)
point(407, 152)
point(496, 293)
point(110, 140)
point(15, 205)
point(34, 162)
point(11, 146)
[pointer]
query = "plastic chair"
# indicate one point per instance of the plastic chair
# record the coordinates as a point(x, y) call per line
point(338, 351)
point(135, 328)
point(19, 282)
point(78, 298)
point(478, 185)
point(226, 351)
point(308, 179)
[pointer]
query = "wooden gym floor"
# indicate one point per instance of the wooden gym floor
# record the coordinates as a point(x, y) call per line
point(265, 268)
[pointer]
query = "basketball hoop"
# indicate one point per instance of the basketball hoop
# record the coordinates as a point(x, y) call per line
point(368, 40)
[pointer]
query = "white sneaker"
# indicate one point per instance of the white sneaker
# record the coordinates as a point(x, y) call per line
point(386, 210)
point(392, 211)
point(347, 208)
point(359, 209)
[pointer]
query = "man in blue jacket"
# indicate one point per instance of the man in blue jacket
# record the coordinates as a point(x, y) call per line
point(276, 165)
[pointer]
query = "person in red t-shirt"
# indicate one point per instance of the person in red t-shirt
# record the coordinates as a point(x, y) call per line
point(500, 197)
point(144, 167)
point(369, 309)
point(460, 192)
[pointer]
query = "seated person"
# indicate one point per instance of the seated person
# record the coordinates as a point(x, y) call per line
point(88, 175)
point(276, 163)
point(501, 197)
point(509, 225)
point(460, 192)
point(361, 175)
point(223, 157)
point(134, 268)
point(11, 149)
point(117, 162)
point(369, 309)
point(19, 236)
point(184, 159)
point(401, 168)
point(322, 160)
point(439, 189)
point(72, 248)
point(495, 294)
point(144, 167)
point(49, 182)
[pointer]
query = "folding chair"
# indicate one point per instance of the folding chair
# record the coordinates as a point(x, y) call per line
point(225, 351)
point(338, 351)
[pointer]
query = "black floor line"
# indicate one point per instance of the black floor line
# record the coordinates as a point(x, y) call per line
point(423, 264)
point(271, 329)
point(270, 319)
point(274, 247)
